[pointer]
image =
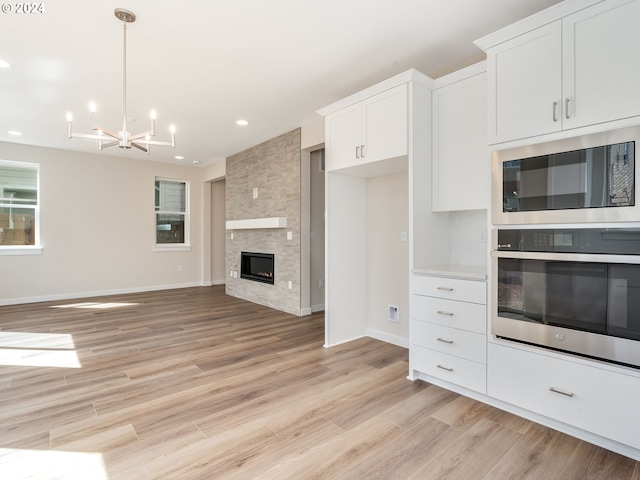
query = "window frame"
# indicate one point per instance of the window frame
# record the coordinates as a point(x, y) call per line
point(35, 249)
point(174, 247)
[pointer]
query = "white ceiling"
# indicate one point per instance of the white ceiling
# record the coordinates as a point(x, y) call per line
point(204, 64)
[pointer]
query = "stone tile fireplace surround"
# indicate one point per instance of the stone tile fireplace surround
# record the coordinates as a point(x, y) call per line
point(273, 168)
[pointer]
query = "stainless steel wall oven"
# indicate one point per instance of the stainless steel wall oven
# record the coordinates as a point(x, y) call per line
point(571, 289)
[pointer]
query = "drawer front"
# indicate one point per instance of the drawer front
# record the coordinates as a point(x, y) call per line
point(450, 313)
point(459, 343)
point(456, 370)
point(600, 401)
point(451, 288)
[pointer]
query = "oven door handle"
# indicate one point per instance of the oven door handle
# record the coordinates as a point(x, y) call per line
point(568, 257)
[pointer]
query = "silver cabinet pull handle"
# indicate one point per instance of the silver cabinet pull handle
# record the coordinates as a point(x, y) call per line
point(362, 150)
point(445, 368)
point(555, 111)
point(551, 389)
point(566, 107)
point(358, 152)
point(448, 289)
point(444, 340)
point(442, 312)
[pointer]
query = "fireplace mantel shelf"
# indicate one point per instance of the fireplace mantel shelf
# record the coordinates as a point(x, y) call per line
point(267, 222)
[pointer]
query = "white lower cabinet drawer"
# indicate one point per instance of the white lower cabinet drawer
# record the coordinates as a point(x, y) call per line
point(594, 399)
point(459, 371)
point(451, 288)
point(460, 343)
point(450, 313)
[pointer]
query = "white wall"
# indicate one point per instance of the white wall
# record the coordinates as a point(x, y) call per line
point(388, 256)
point(98, 228)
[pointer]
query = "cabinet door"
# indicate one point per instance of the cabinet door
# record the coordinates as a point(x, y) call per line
point(600, 59)
point(385, 118)
point(460, 162)
point(343, 134)
point(525, 83)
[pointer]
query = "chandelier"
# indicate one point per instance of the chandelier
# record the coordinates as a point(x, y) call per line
point(123, 139)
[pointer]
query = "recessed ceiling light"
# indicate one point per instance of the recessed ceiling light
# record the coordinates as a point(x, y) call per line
point(242, 123)
point(196, 162)
point(179, 157)
point(4, 64)
point(15, 133)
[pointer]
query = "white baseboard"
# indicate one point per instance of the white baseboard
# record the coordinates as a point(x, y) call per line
point(317, 308)
point(387, 337)
point(342, 341)
point(219, 282)
point(305, 311)
point(97, 293)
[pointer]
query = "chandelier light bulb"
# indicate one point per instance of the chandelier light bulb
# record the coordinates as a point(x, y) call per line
point(92, 107)
point(172, 128)
point(153, 115)
point(69, 116)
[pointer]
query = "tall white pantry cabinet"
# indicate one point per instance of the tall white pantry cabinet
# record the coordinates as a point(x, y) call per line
point(382, 130)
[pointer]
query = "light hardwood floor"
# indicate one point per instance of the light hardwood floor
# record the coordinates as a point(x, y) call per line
point(193, 384)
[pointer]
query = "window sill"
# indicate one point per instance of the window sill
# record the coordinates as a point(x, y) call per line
point(22, 250)
point(172, 248)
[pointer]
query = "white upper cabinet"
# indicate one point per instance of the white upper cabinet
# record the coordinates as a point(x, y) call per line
point(571, 72)
point(601, 75)
point(525, 85)
point(371, 130)
point(459, 122)
point(343, 138)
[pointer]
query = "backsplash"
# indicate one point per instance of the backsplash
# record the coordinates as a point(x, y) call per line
point(469, 237)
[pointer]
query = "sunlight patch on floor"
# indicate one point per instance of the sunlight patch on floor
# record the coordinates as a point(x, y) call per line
point(38, 350)
point(96, 305)
point(18, 464)
point(26, 357)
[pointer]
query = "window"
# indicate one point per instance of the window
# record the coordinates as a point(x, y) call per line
point(19, 209)
point(172, 214)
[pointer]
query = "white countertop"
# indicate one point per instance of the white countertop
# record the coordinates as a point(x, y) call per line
point(468, 272)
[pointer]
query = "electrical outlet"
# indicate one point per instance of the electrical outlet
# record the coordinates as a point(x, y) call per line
point(290, 284)
point(394, 314)
point(179, 268)
point(483, 236)
point(321, 283)
point(255, 193)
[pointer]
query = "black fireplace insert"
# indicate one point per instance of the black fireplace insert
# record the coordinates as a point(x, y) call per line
point(258, 267)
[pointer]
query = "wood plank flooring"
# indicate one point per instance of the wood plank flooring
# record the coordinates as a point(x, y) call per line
point(194, 384)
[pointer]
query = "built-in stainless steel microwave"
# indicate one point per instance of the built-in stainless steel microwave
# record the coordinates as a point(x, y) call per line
point(591, 178)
